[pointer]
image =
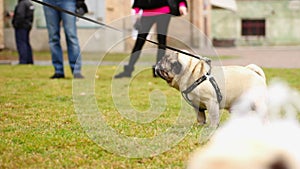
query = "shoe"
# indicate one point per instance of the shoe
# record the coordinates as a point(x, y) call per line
point(123, 74)
point(57, 76)
point(78, 76)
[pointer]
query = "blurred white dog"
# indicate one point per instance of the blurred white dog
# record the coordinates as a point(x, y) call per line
point(266, 139)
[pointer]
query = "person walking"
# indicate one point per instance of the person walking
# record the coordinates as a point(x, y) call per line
point(54, 19)
point(154, 12)
point(22, 23)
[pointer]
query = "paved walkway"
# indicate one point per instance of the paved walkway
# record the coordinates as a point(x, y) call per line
point(270, 57)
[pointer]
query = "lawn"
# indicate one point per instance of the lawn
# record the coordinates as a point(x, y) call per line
point(41, 129)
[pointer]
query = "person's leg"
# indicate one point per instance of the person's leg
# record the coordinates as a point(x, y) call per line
point(146, 24)
point(53, 19)
point(29, 57)
point(162, 30)
point(20, 43)
point(70, 28)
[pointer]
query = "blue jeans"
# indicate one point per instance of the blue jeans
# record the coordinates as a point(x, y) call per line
point(23, 46)
point(53, 20)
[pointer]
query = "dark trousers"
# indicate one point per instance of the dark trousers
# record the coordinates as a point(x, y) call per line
point(23, 46)
point(162, 24)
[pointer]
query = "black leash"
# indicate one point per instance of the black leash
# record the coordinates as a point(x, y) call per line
point(179, 51)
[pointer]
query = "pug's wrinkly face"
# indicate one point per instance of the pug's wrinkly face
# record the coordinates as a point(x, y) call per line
point(168, 68)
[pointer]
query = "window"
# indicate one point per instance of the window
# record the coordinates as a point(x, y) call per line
point(253, 27)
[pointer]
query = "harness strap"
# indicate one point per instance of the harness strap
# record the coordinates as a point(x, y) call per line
point(217, 89)
point(197, 83)
point(192, 87)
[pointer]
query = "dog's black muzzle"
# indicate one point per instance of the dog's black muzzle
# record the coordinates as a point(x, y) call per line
point(162, 73)
point(157, 70)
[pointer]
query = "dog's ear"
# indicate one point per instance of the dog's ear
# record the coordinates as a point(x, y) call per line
point(176, 67)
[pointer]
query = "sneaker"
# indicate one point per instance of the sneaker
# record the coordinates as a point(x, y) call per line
point(123, 74)
point(57, 76)
point(78, 76)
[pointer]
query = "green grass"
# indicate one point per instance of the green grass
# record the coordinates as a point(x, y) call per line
point(7, 54)
point(40, 128)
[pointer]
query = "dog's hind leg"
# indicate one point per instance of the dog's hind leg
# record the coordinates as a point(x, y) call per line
point(201, 118)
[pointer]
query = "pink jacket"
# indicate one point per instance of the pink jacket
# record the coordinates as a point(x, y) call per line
point(156, 11)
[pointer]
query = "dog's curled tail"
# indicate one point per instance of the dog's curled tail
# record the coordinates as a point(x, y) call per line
point(257, 70)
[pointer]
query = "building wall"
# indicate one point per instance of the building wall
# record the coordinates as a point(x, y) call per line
point(282, 20)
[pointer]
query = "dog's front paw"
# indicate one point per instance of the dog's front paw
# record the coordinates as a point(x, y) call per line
point(201, 122)
point(201, 118)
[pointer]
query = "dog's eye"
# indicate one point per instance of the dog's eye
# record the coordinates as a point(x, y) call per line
point(176, 67)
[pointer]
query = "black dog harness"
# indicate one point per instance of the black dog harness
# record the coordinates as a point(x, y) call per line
point(206, 76)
